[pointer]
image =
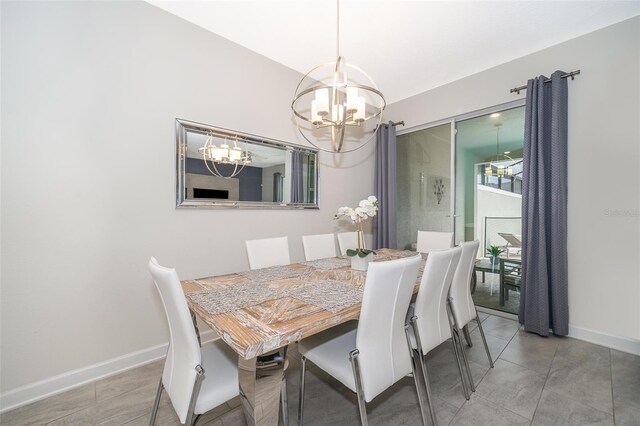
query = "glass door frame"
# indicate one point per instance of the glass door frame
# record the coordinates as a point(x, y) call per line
point(452, 121)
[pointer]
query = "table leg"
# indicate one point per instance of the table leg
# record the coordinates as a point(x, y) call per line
point(195, 325)
point(260, 384)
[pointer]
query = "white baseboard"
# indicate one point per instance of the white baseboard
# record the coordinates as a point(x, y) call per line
point(620, 343)
point(497, 313)
point(623, 344)
point(33, 392)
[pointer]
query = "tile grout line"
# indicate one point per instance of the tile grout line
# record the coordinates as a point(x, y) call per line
point(544, 385)
point(613, 405)
point(579, 401)
point(75, 411)
point(489, 369)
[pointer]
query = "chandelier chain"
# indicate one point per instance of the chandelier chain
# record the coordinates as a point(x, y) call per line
point(337, 102)
point(337, 28)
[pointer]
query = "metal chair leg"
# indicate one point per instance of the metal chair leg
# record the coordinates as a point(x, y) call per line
point(414, 362)
point(423, 367)
point(156, 404)
point(427, 387)
point(362, 407)
point(484, 340)
point(456, 351)
point(466, 362)
point(459, 362)
point(284, 404)
point(467, 335)
point(192, 418)
point(303, 361)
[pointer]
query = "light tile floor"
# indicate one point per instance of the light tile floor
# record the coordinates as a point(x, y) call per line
point(536, 381)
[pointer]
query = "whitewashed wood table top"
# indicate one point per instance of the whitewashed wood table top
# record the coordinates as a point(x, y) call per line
point(258, 329)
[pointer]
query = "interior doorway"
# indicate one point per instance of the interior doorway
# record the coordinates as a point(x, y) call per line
point(424, 184)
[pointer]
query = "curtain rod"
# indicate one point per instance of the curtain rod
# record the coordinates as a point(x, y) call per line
point(571, 74)
point(399, 123)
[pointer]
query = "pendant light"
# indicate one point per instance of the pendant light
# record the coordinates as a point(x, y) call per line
point(337, 106)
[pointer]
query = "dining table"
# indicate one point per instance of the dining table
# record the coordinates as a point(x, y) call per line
point(260, 312)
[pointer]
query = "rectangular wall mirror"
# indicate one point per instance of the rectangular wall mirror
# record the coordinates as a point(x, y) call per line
point(225, 168)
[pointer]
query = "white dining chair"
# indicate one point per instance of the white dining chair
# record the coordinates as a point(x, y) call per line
point(461, 304)
point(346, 241)
point(428, 317)
point(431, 240)
point(268, 252)
point(372, 354)
point(197, 379)
point(319, 246)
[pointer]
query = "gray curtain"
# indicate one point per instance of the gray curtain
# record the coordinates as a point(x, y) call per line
point(297, 176)
point(385, 231)
point(544, 288)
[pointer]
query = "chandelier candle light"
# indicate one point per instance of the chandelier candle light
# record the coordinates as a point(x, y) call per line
point(360, 257)
point(501, 169)
point(235, 156)
point(337, 106)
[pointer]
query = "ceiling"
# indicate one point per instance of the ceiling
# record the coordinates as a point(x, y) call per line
point(407, 47)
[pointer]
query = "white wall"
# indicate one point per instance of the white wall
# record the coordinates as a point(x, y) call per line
point(492, 202)
point(90, 92)
point(604, 177)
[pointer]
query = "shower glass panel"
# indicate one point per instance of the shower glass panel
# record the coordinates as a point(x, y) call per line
point(424, 183)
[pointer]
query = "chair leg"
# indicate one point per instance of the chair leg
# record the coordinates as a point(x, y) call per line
point(427, 387)
point(192, 418)
point(459, 362)
point(466, 362)
point(362, 407)
point(467, 335)
point(456, 351)
point(484, 340)
point(414, 362)
point(303, 361)
point(156, 404)
point(284, 403)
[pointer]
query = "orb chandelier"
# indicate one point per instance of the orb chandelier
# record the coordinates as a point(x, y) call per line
point(233, 156)
point(499, 160)
point(337, 106)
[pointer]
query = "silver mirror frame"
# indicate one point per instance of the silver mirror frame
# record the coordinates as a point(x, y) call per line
point(183, 126)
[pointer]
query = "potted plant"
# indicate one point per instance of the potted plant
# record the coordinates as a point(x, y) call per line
point(360, 256)
point(494, 252)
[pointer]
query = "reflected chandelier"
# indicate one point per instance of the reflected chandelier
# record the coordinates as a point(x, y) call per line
point(235, 156)
point(337, 106)
point(498, 160)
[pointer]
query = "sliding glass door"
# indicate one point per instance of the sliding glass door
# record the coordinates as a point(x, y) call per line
point(465, 176)
point(488, 208)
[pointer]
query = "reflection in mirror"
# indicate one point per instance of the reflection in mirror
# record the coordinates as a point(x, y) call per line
point(223, 168)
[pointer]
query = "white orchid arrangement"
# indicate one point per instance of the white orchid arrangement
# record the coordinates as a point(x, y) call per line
point(366, 208)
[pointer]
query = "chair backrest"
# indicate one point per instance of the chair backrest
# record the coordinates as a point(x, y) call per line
point(268, 252)
point(384, 354)
point(430, 240)
point(462, 304)
point(319, 246)
point(184, 354)
point(431, 302)
point(347, 240)
point(511, 239)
